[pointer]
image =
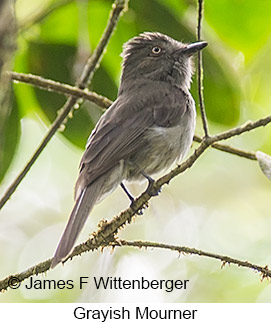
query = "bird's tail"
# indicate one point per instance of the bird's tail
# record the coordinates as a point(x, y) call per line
point(78, 217)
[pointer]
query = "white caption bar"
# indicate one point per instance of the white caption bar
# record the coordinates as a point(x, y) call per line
point(134, 312)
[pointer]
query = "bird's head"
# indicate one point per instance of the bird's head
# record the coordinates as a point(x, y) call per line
point(158, 57)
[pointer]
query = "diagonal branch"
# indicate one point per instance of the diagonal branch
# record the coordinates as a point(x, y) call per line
point(200, 72)
point(106, 234)
point(87, 74)
point(247, 126)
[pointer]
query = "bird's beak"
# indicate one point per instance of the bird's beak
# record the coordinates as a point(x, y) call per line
point(192, 48)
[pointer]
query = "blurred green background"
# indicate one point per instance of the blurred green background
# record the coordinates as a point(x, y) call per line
point(221, 204)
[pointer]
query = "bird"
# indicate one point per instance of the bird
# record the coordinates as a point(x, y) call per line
point(146, 130)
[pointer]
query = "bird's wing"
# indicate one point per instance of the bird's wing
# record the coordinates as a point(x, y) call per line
point(169, 112)
point(121, 130)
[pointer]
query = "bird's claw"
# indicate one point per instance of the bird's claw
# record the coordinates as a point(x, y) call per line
point(150, 189)
point(137, 211)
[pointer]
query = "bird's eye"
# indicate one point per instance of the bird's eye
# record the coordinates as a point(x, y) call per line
point(156, 50)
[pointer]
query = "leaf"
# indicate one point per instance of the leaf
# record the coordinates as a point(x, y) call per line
point(265, 163)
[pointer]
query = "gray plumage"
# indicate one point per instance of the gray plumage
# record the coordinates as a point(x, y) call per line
point(146, 130)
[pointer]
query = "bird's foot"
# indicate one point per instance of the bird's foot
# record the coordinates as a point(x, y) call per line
point(150, 189)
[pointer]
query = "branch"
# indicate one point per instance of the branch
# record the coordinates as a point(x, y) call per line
point(87, 74)
point(15, 280)
point(264, 271)
point(230, 149)
point(200, 72)
point(61, 88)
point(247, 126)
point(106, 234)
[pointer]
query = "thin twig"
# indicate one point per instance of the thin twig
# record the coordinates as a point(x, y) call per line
point(264, 271)
point(62, 88)
point(103, 102)
point(87, 74)
point(230, 149)
point(200, 72)
point(108, 230)
point(247, 126)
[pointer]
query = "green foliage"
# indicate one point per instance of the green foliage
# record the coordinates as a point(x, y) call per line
point(243, 25)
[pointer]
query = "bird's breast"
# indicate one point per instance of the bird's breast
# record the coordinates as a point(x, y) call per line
point(165, 146)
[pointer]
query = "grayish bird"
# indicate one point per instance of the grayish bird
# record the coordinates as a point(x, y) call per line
point(145, 131)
